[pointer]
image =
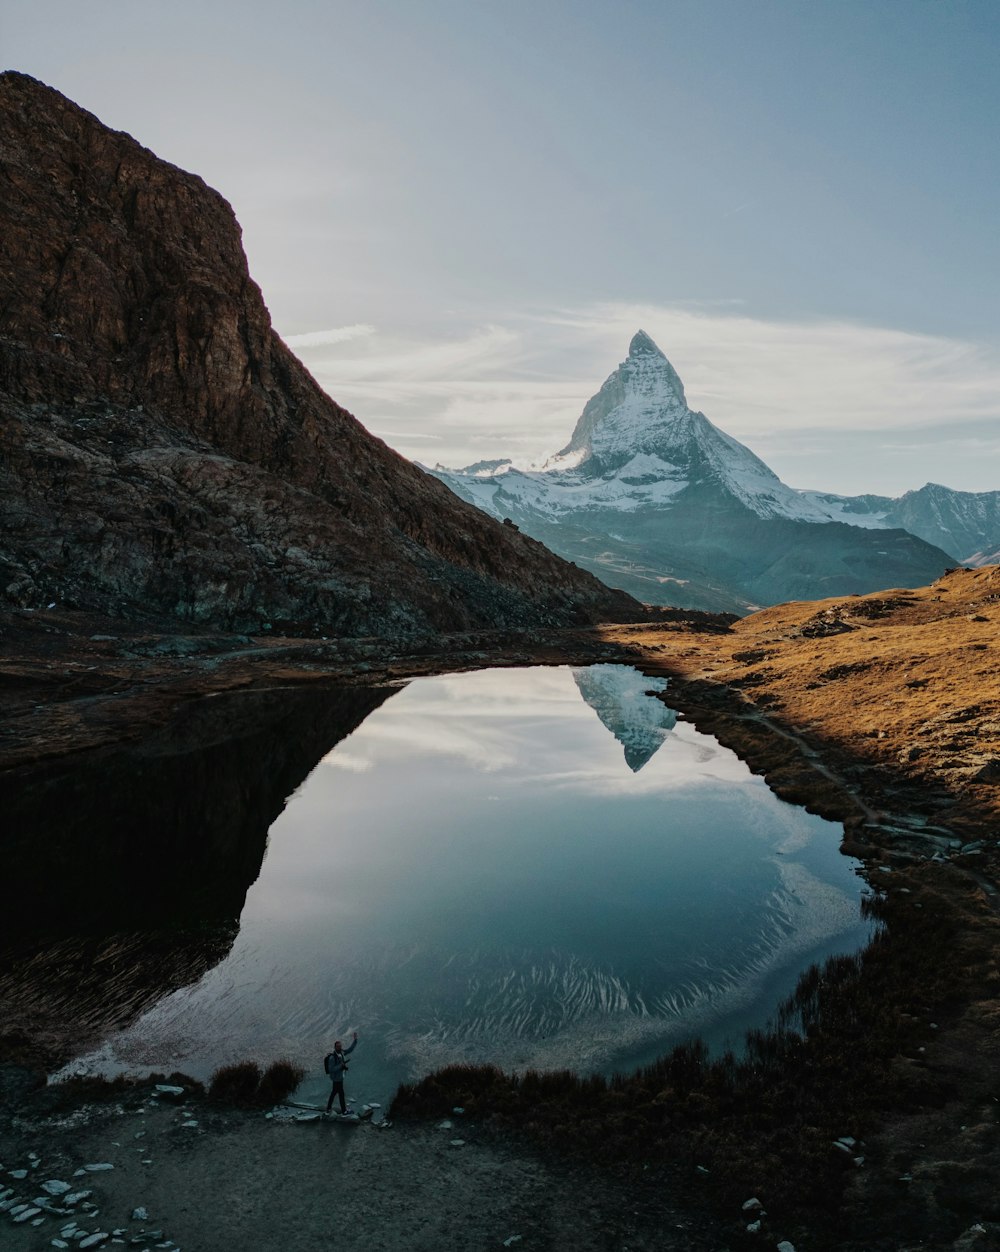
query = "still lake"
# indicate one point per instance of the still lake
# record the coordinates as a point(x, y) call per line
point(534, 867)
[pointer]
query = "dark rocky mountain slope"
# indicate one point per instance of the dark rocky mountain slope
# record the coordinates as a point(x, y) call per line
point(164, 454)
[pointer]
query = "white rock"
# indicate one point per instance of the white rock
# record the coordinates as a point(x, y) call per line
point(93, 1240)
point(511, 1240)
point(59, 1243)
point(751, 1206)
point(76, 1197)
point(19, 1173)
point(848, 1141)
point(458, 1143)
point(753, 1228)
point(165, 1089)
point(841, 1146)
point(785, 1246)
point(27, 1214)
point(457, 1111)
point(97, 1169)
point(55, 1187)
point(140, 1215)
point(191, 1123)
point(445, 1125)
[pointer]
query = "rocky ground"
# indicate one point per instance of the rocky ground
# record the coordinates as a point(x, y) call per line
point(146, 1173)
point(881, 711)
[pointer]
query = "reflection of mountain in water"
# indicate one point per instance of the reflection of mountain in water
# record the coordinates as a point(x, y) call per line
point(619, 696)
point(127, 871)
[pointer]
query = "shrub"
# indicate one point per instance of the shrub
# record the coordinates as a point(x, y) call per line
point(278, 1082)
point(235, 1084)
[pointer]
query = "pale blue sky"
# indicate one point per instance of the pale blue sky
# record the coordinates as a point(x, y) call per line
point(798, 199)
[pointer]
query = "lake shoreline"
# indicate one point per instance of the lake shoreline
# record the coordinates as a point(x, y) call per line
point(846, 760)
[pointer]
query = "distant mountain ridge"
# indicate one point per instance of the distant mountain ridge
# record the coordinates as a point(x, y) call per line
point(654, 498)
point(966, 524)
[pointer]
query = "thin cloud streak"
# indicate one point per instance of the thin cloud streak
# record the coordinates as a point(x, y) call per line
point(321, 338)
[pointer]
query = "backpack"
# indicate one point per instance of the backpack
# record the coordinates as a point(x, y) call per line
point(328, 1062)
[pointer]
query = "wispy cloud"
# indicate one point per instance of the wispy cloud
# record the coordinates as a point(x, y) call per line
point(322, 338)
point(795, 392)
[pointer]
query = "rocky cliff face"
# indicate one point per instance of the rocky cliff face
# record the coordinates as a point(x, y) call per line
point(164, 453)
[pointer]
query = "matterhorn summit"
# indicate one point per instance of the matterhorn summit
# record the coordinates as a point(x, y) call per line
point(654, 498)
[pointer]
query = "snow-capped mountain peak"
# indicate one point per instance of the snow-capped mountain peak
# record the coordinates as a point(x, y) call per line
point(643, 395)
point(636, 445)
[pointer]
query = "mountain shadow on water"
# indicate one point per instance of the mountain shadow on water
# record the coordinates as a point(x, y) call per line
point(127, 871)
point(622, 698)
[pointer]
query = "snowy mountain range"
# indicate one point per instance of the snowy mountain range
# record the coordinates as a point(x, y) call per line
point(654, 498)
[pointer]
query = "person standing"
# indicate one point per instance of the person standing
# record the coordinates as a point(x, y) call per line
point(336, 1066)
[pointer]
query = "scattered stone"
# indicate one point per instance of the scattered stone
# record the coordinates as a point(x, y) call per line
point(785, 1246)
point(164, 1091)
point(752, 1205)
point(19, 1173)
point(140, 1215)
point(445, 1125)
point(93, 1240)
point(847, 1141)
point(753, 1228)
point(59, 1243)
point(458, 1143)
point(55, 1187)
point(76, 1197)
point(191, 1122)
point(511, 1240)
point(842, 1146)
point(457, 1111)
point(27, 1214)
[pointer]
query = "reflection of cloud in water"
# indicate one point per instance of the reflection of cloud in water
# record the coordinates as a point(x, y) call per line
point(545, 929)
